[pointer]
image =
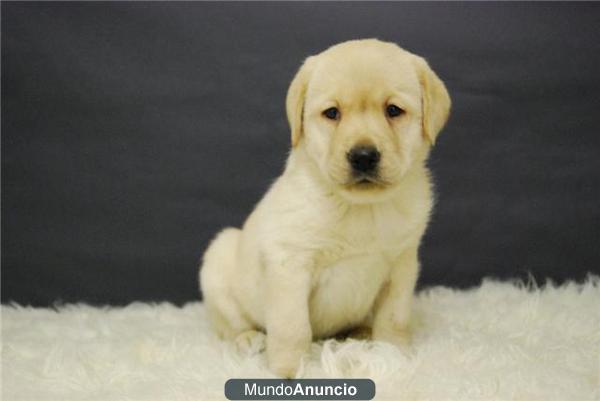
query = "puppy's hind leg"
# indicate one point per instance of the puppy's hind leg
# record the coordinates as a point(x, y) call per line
point(216, 274)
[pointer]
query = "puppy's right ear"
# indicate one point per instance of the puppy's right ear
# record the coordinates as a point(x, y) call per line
point(295, 99)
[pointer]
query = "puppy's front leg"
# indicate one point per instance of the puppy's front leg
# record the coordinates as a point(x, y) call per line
point(287, 318)
point(392, 313)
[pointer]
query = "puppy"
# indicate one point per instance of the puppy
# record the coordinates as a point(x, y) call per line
point(333, 244)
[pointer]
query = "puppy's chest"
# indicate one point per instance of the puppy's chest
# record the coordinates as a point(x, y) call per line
point(352, 264)
point(365, 230)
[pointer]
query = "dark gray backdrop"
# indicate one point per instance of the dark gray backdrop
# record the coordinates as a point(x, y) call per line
point(132, 132)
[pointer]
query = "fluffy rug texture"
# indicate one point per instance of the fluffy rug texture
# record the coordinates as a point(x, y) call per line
point(500, 341)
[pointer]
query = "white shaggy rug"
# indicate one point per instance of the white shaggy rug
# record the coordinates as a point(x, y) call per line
point(497, 342)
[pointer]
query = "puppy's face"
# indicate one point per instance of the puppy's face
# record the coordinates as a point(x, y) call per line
point(364, 114)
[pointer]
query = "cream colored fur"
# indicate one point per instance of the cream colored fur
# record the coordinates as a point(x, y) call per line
point(321, 254)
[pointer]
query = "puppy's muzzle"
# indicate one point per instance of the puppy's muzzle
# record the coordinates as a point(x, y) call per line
point(364, 160)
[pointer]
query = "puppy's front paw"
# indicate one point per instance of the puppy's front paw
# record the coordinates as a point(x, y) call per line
point(285, 364)
point(284, 369)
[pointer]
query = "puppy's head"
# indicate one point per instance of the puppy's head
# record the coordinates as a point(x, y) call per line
point(365, 112)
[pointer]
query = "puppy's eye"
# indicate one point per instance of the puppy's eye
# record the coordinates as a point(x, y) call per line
point(393, 111)
point(332, 113)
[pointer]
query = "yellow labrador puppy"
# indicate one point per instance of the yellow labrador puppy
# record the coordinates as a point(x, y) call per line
point(333, 244)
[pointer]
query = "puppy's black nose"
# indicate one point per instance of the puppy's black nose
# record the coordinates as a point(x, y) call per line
point(363, 159)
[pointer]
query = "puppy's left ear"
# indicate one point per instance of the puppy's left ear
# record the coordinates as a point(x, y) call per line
point(435, 100)
point(295, 100)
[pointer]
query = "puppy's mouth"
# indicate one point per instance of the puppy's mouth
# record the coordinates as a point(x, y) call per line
point(366, 181)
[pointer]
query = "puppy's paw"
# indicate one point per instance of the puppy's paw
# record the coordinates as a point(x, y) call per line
point(250, 342)
point(284, 367)
point(285, 362)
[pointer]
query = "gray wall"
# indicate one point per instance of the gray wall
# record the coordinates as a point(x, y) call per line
point(132, 132)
